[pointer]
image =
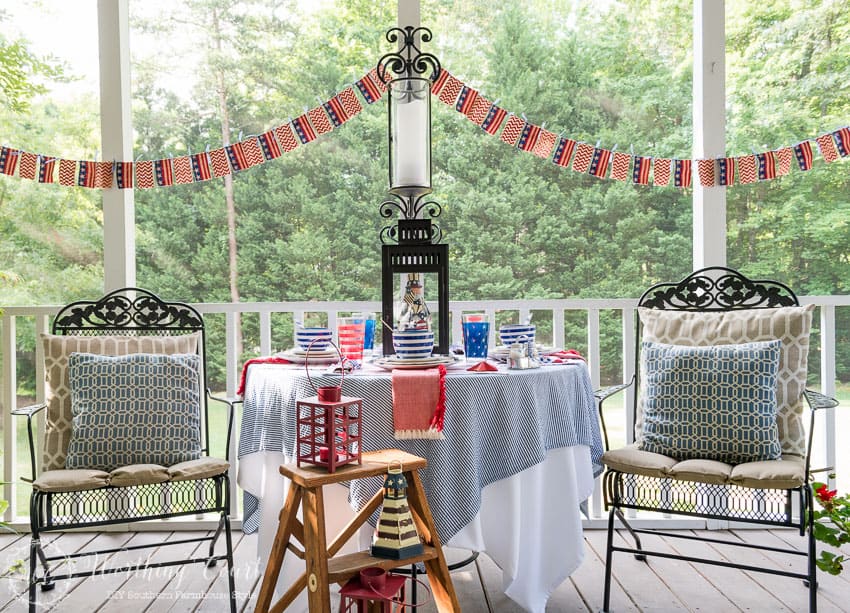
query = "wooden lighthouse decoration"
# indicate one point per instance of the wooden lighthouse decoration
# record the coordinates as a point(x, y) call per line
point(396, 537)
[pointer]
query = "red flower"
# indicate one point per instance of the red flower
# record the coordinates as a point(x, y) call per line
point(825, 495)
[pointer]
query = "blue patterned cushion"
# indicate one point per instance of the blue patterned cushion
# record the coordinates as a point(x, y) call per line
point(134, 409)
point(716, 402)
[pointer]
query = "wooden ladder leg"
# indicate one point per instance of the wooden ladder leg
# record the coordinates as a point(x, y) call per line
point(442, 588)
point(288, 517)
point(316, 550)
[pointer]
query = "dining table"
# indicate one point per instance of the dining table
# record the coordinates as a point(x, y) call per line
point(520, 452)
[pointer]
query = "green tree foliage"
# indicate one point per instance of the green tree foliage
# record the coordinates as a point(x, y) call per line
point(307, 223)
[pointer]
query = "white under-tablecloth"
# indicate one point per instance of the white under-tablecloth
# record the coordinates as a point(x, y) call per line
point(529, 523)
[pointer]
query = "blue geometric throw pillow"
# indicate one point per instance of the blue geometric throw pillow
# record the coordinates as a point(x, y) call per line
point(134, 409)
point(716, 402)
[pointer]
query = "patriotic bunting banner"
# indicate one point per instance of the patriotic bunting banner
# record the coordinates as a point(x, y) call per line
point(842, 140)
point(253, 153)
point(747, 169)
point(182, 167)
point(27, 167)
point(319, 119)
point(803, 153)
point(47, 169)
point(640, 172)
point(826, 144)
point(599, 162)
point(784, 156)
point(144, 174)
point(767, 165)
point(545, 144)
point(268, 142)
point(727, 170)
point(493, 119)
point(620, 166)
point(466, 99)
point(682, 174)
point(164, 173)
point(528, 137)
point(564, 151)
point(513, 129)
point(705, 169)
point(661, 172)
point(8, 160)
point(584, 154)
point(201, 167)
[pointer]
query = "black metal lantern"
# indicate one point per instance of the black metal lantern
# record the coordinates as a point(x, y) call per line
point(412, 246)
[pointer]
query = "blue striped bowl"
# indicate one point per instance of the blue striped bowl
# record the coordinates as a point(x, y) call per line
point(511, 333)
point(413, 344)
point(305, 336)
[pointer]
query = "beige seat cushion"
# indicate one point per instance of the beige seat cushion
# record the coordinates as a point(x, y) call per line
point(791, 325)
point(75, 480)
point(198, 469)
point(80, 479)
point(58, 392)
point(138, 474)
point(787, 472)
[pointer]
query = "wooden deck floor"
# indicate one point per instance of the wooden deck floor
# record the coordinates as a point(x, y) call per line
point(661, 585)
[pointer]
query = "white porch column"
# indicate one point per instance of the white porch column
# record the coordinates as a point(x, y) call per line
point(408, 13)
point(119, 212)
point(709, 205)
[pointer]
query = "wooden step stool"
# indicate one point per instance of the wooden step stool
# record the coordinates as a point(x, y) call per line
point(322, 567)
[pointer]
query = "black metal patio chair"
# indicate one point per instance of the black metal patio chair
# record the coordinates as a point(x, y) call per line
point(718, 420)
point(126, 435)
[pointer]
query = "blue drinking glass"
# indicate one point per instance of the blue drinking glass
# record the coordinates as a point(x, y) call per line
point(369, 338)
point(475, 334)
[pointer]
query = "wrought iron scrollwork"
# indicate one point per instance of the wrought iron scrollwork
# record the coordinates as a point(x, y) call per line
point(413, 207)
point(718, 289)
point(118, 310)
point(410, 60)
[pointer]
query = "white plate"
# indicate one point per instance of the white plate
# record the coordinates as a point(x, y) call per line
point(301, 358)
point(391, 362)
point(316, 352)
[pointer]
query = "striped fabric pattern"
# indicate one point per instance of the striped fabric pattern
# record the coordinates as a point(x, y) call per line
point(542, 409)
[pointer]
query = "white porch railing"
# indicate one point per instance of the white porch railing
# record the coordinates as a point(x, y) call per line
point(556, 312)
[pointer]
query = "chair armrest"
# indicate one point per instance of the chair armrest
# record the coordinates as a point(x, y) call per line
point(817, 400)
point(29, 411)
point(604, 393)
point(230, 413)
point(601, 395)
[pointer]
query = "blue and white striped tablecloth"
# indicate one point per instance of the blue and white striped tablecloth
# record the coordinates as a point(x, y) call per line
point(496, 425)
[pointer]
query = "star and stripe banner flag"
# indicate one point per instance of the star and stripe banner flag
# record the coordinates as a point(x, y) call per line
point(564, 152)
point(599, 162)
point(640, 169)
point(804, 155)
point(842, 141)
point(201, 170)
point(767, 165)
point(303, 129)
point(682, 173)
point(85, 176)
point(369, 90)
point(495, 116)
point(236, 157)
point(8, 160)
point(268, 143)
point(124, 175)
point(336, 111)
point(726, 168)
point(465, 100)
point(47, 169)
point(528, 137)
point(164, 172)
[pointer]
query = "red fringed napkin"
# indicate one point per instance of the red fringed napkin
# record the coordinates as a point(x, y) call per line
point(564, 356)
point(272, 359)
point(419, 403)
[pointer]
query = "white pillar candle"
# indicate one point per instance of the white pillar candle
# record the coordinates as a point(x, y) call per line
point(410, 134)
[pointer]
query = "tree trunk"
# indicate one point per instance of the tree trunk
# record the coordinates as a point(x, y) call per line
point(230, 202)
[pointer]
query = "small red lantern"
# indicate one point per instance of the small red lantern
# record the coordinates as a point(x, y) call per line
point(375, 586)
point(328, 425)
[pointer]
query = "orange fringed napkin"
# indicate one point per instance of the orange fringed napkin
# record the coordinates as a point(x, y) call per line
point(419, 403)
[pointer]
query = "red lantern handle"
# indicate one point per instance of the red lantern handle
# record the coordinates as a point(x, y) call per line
point(342, 361)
